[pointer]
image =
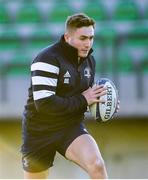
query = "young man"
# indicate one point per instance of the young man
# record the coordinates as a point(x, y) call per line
point(61, 88)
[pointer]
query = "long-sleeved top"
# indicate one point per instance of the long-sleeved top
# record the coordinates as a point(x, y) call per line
point(58, 79)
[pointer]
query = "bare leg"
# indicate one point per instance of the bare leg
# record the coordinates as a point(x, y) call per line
point(85, 152)
point(38, 175)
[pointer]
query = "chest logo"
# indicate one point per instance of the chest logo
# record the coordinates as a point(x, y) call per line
point(87, 72)
point(67, 77)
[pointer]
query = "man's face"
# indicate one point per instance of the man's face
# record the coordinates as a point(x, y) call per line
point(81, 39)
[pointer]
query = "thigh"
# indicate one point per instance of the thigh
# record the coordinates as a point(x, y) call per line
point(69, 134)
point(83, 151)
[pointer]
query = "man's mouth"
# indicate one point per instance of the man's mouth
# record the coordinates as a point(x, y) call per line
point(85, 51)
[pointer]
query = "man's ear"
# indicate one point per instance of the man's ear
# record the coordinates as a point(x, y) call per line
point(66, 37)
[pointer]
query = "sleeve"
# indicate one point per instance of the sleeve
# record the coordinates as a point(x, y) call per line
point(44, 83)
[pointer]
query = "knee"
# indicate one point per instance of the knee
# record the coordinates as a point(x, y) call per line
point(96, 167)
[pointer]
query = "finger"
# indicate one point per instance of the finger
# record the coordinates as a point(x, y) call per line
point(100, 94)
point(95, 86)
point(99, 101)
point(116, 110)
point(117, 107)
point(100, 89)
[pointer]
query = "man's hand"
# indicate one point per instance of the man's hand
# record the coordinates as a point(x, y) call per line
point(118, 106)
point(92, 94)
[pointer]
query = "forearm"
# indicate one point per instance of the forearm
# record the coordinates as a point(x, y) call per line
point(55, 105)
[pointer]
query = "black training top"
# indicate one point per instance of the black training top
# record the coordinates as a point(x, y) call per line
point(57, 81)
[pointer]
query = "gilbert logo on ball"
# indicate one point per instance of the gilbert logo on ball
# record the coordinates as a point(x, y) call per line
point(105, 111)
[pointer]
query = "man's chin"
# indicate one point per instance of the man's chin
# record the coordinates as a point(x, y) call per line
point(83, 55)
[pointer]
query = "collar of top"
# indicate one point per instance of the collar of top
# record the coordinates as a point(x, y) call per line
point(71, 52)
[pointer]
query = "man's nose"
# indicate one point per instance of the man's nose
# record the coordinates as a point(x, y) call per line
point(87, 43)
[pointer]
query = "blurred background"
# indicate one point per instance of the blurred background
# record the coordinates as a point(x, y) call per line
point(120, 49)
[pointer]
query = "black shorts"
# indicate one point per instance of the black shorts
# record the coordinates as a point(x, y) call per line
point(39, 150)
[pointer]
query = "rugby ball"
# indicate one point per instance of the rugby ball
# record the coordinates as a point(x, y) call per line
point(105, 111)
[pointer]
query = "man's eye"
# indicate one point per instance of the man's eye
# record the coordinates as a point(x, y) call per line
point(91, 38)
point(82, 38)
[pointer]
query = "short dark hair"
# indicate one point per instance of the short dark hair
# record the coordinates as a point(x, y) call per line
point(79, 20)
